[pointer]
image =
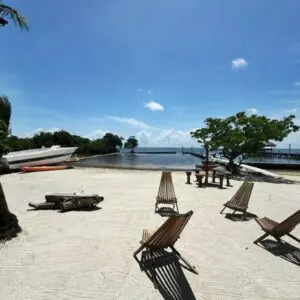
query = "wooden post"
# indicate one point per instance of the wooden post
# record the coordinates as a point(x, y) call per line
point(214, 176)
point(188, 177)
point(227, 180)
point(221, 176)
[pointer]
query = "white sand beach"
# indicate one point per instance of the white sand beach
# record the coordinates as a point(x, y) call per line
point(89, 254)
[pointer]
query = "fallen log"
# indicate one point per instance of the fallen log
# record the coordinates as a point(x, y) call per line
point(44, 205)
point(80, 202)
point(67, 201)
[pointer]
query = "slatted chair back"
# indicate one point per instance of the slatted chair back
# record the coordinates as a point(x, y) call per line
point(166, 192)
point(169, 231)
point(288, 224)
point(241, 198)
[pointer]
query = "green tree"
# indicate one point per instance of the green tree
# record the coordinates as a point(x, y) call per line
point(8, 221)
point(131, 143)
point(7, 12)
point(111, 142)
point(241, 133)
point(5, 115)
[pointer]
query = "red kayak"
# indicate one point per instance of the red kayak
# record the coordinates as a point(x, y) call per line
point(43, 168)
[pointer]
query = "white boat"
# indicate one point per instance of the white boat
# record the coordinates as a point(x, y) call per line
point(39, 157)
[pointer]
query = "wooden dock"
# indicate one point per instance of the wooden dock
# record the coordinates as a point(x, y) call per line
point(282, 155)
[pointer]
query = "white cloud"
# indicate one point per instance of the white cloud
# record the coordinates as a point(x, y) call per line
point(173, 137)
point(143, 137)
point(150, 91)
point(139, 90)
point(154, 106)
point(252, 111)
point(97, 134)
point(130, 121)
point(38, 130)
point(297, 83)
point(292, 111)
point(239, 63)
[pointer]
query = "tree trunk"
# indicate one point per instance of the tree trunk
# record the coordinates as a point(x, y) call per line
point(206, 162)
point(9, 225)
point(4, 212)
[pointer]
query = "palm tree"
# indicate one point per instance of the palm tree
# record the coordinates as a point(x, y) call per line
point(5, 110)
point(9, 225)
point(7, 12)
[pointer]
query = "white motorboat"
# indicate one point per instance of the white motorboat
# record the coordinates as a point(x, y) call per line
point(39, 157)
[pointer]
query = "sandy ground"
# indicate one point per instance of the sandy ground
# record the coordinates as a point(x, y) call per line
point(88, 254)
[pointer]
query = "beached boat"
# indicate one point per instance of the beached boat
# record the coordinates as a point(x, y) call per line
point(39, 157)
point(43, 168)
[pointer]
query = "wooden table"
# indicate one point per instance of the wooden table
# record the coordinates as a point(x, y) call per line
point(221, 173)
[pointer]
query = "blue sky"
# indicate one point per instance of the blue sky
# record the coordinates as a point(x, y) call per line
point(154, 69)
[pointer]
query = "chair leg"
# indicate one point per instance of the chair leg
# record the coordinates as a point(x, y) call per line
point(192, 268)
point(155, 283)
point(222, 210)
point(138, 251)
point(243, 216)
point(261, 238)
point(293, 237)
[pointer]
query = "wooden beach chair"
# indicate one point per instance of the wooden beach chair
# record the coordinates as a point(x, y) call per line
point(240, 200)
point(166, 192)
point(277, 230)
point(165, 236)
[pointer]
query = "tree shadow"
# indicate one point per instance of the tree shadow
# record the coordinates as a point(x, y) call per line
point(282, 249)
point(263, 178)
point(170, 279)
point(235, 217)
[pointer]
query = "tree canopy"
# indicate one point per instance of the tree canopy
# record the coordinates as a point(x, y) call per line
point(131, 143)
point(109, 143)
point(7, 12)
point(242, 133)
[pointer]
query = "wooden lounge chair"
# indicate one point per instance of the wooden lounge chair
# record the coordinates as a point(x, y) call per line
point(165, 236)
point(277, 230)
point(166, 192)
point(240, 200)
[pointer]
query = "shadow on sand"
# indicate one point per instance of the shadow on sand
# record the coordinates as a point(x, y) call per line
point(282, 249)
point(239, 216)
point(171, 281)
point(166, 212)
point(263, 178)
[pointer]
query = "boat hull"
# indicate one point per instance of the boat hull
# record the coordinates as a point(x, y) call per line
point(43, 168)
point(39, 157)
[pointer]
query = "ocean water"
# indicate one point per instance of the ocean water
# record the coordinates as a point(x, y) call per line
point(176, 161)
point(150, 158)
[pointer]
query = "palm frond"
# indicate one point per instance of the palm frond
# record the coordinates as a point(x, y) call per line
point(14, 15)
point(5, 110)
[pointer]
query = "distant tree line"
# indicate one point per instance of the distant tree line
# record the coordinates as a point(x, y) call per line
point(109, 143)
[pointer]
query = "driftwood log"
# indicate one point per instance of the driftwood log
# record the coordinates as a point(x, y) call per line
point(68, 201)
point(9, 225)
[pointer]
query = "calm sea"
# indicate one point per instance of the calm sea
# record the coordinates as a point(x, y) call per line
point(165, 158)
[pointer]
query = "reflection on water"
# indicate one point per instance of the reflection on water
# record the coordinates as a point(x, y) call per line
point(151, 161)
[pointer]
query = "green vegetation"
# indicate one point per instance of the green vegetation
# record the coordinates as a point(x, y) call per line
point(109, 143)
point(131, 143)
point(5, 115)
point(241, 133)
point(7, 12)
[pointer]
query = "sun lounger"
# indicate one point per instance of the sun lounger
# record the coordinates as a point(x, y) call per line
point(165, 236)
point(166, 192)
point(240, 200)
point(277, 230)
